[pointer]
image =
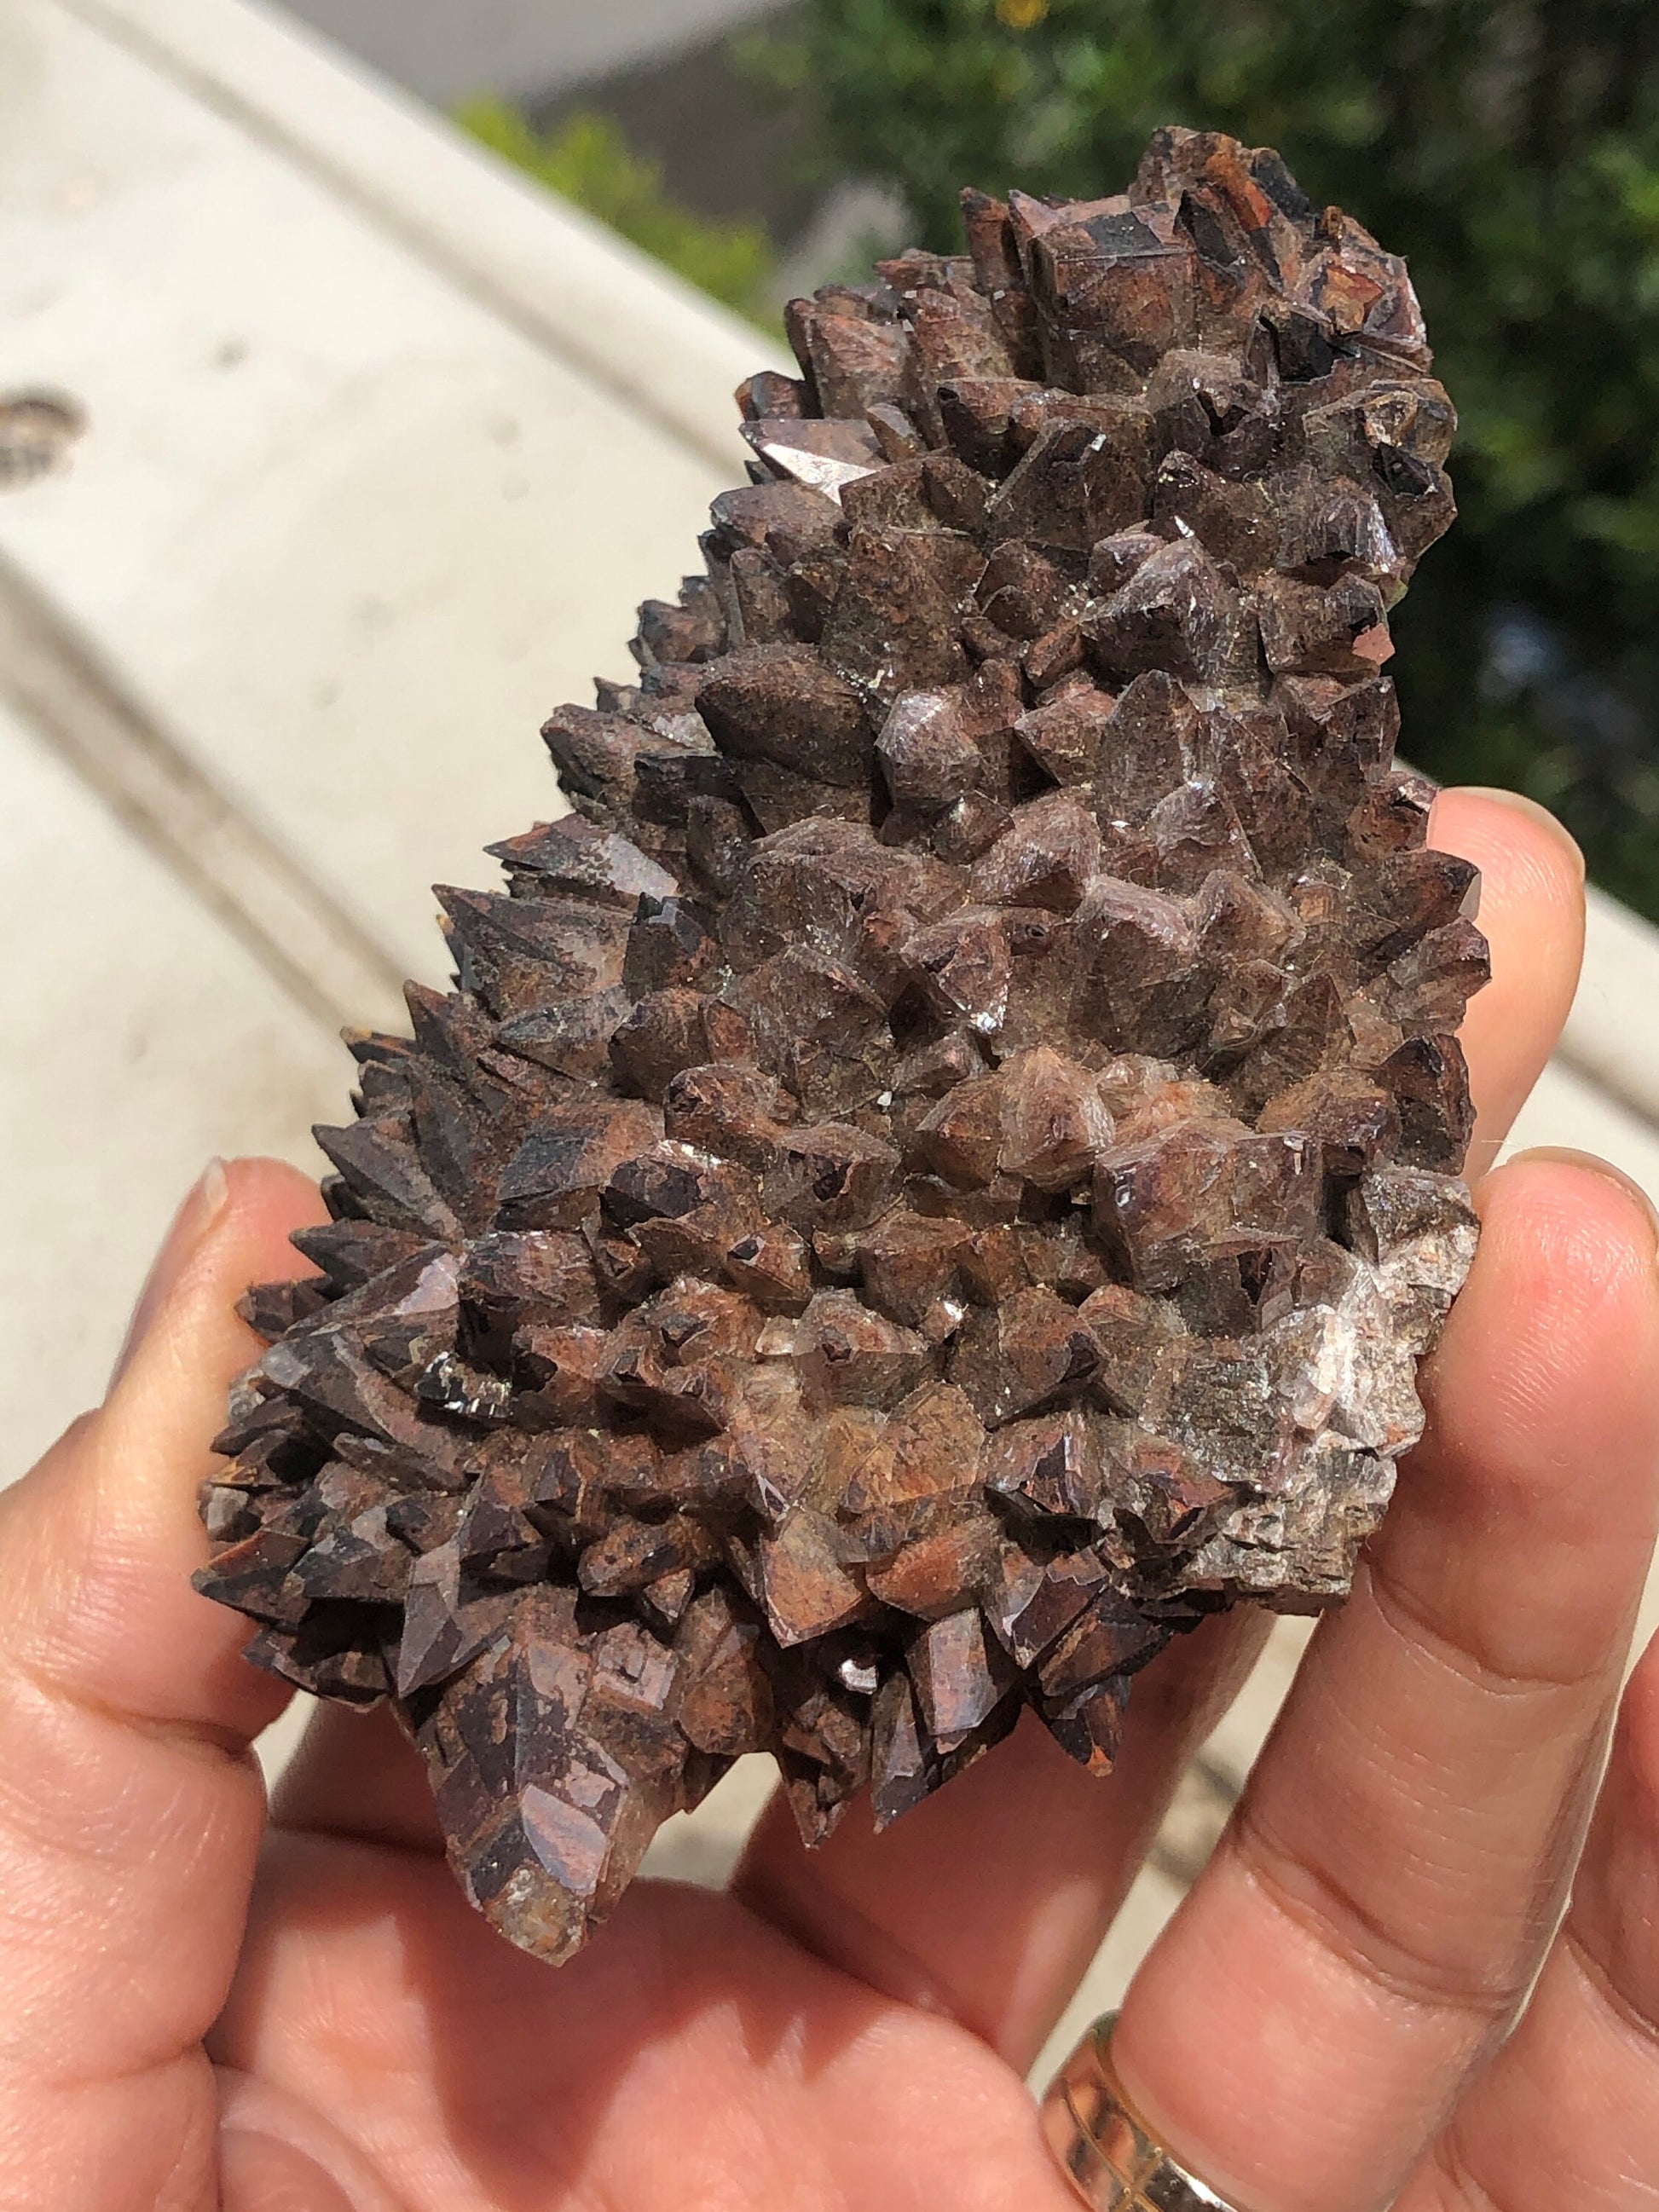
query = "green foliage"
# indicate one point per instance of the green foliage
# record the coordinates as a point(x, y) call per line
point(1510, 149)
point(587, 160)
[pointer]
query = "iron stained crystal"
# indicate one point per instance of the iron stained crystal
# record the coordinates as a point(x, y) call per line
point(937, 1172)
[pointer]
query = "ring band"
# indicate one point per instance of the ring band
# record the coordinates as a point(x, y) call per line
point(1106, 2150)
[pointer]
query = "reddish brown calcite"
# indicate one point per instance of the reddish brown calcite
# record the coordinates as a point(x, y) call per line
point(938, 1174)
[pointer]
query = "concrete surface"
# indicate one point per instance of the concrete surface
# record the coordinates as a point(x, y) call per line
point(381, 448)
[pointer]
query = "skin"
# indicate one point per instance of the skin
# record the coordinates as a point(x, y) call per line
point(1371, 1995)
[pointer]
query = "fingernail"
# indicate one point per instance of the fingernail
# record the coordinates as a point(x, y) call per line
point(1566, 1156)
point(194, 1220)
point(1519, 802)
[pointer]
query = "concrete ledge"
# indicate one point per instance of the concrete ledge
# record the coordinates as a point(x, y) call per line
point(1611, 1035)
point(563, 280)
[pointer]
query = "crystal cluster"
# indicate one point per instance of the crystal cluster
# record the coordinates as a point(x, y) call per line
point(939, 1172)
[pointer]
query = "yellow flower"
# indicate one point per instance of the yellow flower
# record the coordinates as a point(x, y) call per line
point(1022, 14)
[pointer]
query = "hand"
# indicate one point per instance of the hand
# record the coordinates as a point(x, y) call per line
point(201, 2009)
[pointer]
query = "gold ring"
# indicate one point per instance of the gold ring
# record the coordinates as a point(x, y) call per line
point(1110, 2156)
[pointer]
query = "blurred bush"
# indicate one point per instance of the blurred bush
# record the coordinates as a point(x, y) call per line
point(1510, 149)
point(587, 160)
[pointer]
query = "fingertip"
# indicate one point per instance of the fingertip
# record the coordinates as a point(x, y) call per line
point(277, 2153)
point(1640, 1203)
point(1540, 1394)
point(261, 2172)
point(232, 1230)
point(1562, 1303)
point(1572, 1219)
point(266, 1201)
point(1532, 913)
point(1525, 855)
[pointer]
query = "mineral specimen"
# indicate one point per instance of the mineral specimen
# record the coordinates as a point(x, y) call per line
point(938, 1173)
